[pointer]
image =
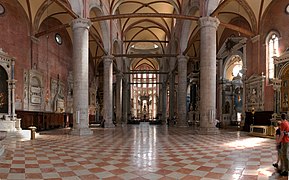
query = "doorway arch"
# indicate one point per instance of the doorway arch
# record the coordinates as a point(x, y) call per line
point(3, 91)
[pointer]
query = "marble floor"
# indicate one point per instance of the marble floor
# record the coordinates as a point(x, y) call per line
point(138, 152)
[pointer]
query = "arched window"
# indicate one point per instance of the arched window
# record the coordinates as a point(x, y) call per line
point(272, 50)
point(144, 91)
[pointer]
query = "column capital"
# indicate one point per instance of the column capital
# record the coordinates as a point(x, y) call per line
point(108, 58)
point(209, 22)
point(119, 75)
point(182, 58)
point(80, 23)
point(12, 61)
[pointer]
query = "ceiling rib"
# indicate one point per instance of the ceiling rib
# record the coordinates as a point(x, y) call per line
point(164, 15)
point(69, 11)
point(152, 41)
point(145, 55)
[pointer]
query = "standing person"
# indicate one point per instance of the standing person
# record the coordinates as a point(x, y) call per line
point(278, 145)
point(284, 139)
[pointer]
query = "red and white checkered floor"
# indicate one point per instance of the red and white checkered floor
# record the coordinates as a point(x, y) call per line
point(138, 152)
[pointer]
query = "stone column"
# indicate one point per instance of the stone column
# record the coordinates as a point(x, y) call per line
point(182, 91)
point(9, 98)
point(12, 84)
point(172, 95)
point(107, 91)
point(208, 27)
point(164, 102)
point(125, 101)
point(80, 74)
point(129, 100)
point(118, 98)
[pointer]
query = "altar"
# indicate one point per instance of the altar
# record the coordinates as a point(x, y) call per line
point(8, 119)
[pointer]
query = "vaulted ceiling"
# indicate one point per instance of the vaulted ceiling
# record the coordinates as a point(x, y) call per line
point(149, 24)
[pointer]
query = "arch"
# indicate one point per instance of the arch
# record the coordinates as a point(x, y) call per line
point(171, 2)
point(77, 6)
point(103, 25)
point(116, 49)
point(211, 6)
point(229, 60)
point(186, 29)
point(283, 70)
point(137, 62)
point(270, 59)
point(174, 49)
point(3, 90)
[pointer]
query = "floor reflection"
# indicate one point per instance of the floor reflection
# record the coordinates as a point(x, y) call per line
point(138, 152)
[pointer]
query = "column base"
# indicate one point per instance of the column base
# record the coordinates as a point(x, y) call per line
point(182, 124)
point(120, 125)
point(108, 125)
point(208, 130)
point(18, 124)
point(2, 149)
point(7, 125)
point(81, 132)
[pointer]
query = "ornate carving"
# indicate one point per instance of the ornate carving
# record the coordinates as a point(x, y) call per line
point(80, 23)
point(209, 21)
point(33, 90)
point(255, 93)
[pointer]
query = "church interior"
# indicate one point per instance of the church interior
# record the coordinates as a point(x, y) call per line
point(142, 89)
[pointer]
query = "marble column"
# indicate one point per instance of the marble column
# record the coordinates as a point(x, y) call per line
point(208, 27)
point(125, 101)
point(182, 91)
point(107, 91)
point(80, 74)
point(13, 86)
point(9, 97)
point(118, 98)
point(164, 102)
point(220, 91)
point(172, 94)
point(129, 105)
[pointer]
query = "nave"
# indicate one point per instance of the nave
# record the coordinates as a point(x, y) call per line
point(138, 152)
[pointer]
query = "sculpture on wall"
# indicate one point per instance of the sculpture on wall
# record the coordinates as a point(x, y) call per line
point(33, 90)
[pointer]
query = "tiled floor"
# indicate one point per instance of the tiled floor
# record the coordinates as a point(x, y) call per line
point(138, 152)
